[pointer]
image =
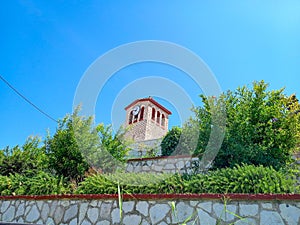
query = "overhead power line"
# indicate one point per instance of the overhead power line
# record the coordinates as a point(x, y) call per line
point(27, 100)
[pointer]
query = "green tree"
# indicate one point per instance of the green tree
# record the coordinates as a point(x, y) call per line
point(104, 150)
point(65, 157)
point(109, 154)
point(262, 126)
point(115, 144)
point(170, 141)
point(78, 145)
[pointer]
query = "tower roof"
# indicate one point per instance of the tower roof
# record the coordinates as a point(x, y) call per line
point(149, 99)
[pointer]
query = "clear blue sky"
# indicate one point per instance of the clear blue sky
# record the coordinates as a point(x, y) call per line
point(46, 46)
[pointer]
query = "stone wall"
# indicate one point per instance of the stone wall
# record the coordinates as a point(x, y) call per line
point(156, 209)
point(168, 164)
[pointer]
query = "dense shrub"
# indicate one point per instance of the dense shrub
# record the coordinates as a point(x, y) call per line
point(29, 157)
point(240, 179)
point(250, 179)
point(41, 183)
point(131, 183)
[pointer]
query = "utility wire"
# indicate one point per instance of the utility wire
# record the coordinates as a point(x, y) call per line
point(27, 100)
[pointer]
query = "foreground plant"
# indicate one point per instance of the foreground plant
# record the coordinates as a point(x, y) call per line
point(240, 179)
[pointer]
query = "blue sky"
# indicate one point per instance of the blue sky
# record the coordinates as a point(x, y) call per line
point(46, 46)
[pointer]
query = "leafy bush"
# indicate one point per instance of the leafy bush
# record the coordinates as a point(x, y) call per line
point(5, 185)
point(131, 183)
point(30, 157)
point(240, 179)
point(41, 183)
point(250, 179)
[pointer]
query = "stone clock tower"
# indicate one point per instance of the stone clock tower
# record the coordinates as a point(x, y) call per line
point(146, 119)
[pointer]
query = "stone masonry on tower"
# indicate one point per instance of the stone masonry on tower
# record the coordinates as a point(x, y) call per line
point(146, 119)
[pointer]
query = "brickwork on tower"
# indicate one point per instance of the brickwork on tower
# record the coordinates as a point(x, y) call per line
point(146, 119)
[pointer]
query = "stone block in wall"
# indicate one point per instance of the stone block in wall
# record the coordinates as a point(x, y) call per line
point(183, 210)
point(156, 168)
point(132, 220)
point(224, 215)
point(33, 215)
point(143, 207)
point(289, 213)
point(93, 214)
point(205, 218)
point(248, 210)
point(270, 218)
point(267, 205)
point(206, 206)
point(158, 212)
point(115, 216)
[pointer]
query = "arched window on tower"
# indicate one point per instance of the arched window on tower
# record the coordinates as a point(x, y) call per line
point(142, 113)
point(130, 118)
point(158, 117)
point(163, 120)
point(153, 114)
point(135, 118)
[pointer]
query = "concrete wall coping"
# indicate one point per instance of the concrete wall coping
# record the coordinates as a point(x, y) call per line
point(162, 157)
point(274, 197)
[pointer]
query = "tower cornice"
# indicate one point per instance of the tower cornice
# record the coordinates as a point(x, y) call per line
point(149, 99)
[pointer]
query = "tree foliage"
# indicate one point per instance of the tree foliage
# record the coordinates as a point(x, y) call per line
point(262, 126)
point(170, 141)
point(29, 158)
point(78, 145)
point(115, 144)
point(108, 151)
point(65, 157)
point(104, 150)
point(180, 141)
